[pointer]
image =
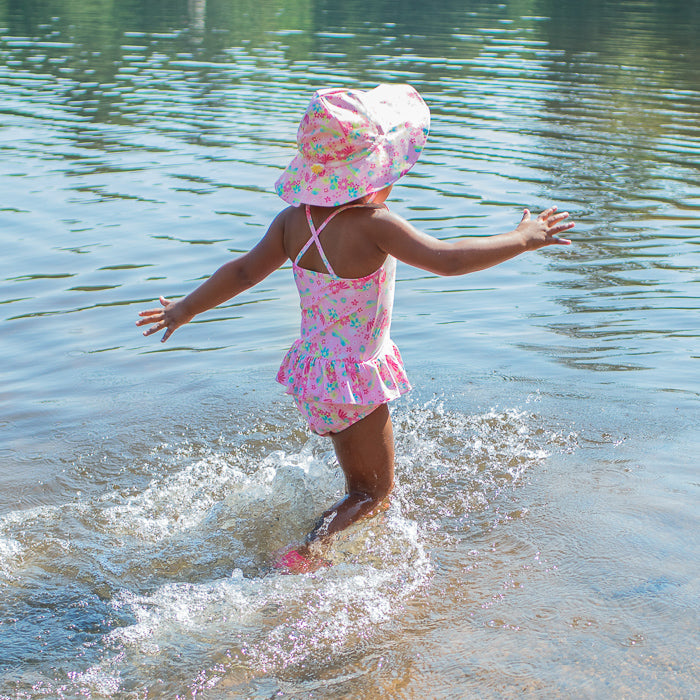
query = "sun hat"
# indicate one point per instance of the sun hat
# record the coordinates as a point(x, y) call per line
point(354, 142)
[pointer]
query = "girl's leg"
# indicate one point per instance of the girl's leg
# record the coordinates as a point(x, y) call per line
point(365, 452)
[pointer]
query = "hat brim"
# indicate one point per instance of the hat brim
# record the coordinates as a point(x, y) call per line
point(405, 119)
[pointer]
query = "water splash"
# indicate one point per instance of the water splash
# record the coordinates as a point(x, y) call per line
point(175, 577)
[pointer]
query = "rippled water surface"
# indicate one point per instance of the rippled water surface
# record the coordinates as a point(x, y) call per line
point(542, 540)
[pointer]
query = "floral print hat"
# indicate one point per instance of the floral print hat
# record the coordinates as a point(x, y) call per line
point(354, 142)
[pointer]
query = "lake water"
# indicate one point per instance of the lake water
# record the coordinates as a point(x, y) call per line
point(543, 537)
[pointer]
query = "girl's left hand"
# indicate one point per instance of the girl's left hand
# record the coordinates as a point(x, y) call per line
point(170, 317)
point(545, 228)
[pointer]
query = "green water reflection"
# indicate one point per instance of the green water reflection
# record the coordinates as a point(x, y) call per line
point(354, 34)
point(593, 105)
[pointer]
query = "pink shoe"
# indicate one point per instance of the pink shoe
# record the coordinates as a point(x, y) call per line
point(294, 562)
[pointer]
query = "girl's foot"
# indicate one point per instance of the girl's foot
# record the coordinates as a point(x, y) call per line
point(294, 561)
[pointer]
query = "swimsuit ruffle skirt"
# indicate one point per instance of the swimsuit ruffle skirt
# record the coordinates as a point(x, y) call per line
point(344, 355)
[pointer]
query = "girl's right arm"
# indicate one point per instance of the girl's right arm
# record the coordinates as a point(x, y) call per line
point(399, 238)
point(229, 280)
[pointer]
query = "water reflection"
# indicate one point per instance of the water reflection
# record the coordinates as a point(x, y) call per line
point(198, 14)
point(520, 106)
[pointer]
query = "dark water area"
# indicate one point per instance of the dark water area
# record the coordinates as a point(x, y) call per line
point(542, 540)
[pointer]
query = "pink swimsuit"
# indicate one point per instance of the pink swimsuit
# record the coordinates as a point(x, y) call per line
point(344, 364)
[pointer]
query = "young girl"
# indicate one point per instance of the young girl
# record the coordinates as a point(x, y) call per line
point(343, 242)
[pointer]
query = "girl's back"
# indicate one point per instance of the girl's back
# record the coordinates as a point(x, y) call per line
point(347, 239)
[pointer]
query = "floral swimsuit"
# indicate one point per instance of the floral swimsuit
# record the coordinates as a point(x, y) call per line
point(344, 365)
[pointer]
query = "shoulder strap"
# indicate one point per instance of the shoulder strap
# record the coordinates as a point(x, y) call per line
point(315, 233)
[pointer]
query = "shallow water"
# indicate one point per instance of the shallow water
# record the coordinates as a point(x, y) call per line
point(542, 539)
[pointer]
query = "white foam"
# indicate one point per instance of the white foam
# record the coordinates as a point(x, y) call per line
point(278, 621)
point(448, 465)
point(218, 505)
point(11, 555)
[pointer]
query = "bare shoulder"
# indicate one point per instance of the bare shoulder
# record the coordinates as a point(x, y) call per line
point(285, 218)
point(273, 242)
point(389, 229)
point(376, 221)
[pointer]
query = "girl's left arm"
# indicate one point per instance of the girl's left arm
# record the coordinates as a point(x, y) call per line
point(459, 256)
point(228, 281)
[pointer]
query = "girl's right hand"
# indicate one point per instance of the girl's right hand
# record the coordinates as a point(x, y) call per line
point(544, 229)
point(170, 317)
